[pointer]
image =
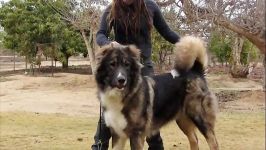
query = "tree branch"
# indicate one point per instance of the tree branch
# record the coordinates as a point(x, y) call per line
point(195, 13)
point(165, 3)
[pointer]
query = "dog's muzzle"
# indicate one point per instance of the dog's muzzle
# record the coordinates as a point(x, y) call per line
point(121, 81)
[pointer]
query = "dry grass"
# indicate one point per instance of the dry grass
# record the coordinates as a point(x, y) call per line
point(22, 130)
point(234, 131)
point(45, 131)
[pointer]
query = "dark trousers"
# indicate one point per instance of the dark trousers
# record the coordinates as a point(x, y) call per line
point(103, 136)
point(103, 133)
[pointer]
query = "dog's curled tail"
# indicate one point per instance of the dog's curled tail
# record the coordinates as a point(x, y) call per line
point(190, 53)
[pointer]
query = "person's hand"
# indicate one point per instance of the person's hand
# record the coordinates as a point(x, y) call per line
point(115, 44)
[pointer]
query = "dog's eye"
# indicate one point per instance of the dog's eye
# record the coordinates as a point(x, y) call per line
point(112, 64)
point(127, 64)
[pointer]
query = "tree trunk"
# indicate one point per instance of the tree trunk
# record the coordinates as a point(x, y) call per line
point(236, 69)
point(264, 78)
point(26, 64)
point(14, 59)
point(52, 67)
point(96, 46)
point(32, 68)
point(39, 62)
point(237, 48)
point(89, 48)
point(65, 63)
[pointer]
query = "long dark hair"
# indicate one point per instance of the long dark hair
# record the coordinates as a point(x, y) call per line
point(130, 16)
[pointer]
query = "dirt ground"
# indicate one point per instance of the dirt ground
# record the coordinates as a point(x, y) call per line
point(75, 94)
point(61, 112)
point(64, 93)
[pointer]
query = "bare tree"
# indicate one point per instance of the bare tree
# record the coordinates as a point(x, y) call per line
point(244, 17)
point(240, 18)
point(84, 16)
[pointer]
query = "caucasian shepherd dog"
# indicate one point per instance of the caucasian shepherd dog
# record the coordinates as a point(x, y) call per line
point(137, 106)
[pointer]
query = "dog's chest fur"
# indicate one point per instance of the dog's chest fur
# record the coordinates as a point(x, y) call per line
point(112, 101)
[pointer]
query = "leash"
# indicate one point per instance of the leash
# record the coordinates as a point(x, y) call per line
point(99, 144)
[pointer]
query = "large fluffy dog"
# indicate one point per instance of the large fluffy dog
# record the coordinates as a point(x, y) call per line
point(137, 106)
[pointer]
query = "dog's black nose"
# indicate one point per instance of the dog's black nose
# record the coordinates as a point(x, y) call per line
point(121, 80)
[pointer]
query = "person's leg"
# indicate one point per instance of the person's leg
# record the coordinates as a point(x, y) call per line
point(101, 137)
point(147, 69)
point(155, 142)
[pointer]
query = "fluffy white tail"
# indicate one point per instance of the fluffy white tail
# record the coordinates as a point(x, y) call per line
point(188, 51)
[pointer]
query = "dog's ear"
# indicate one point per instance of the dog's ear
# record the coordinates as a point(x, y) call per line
point(102, 52)
point(134, 51)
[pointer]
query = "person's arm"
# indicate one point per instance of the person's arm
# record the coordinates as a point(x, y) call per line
point(104, 30)
point(162, 27)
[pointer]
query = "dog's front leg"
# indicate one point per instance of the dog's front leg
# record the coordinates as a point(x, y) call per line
point(137, 141)
point(118, 143)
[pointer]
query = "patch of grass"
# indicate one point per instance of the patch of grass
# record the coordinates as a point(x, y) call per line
point(21, 130)
point(234, 131)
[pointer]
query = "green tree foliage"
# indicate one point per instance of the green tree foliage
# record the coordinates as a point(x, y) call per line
point(71, 44)
point(29, 23)
point(160, 48)
point(220, 46)
point(249, 53)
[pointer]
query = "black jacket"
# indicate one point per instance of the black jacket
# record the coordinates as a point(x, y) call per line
point(143, 39)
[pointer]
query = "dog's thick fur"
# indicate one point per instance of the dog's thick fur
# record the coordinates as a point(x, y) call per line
point(136, 107)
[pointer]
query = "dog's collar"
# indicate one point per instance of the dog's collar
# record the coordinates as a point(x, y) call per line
point(174, 73)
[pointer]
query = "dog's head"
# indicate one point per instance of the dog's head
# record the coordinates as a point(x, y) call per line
point(117, 67)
